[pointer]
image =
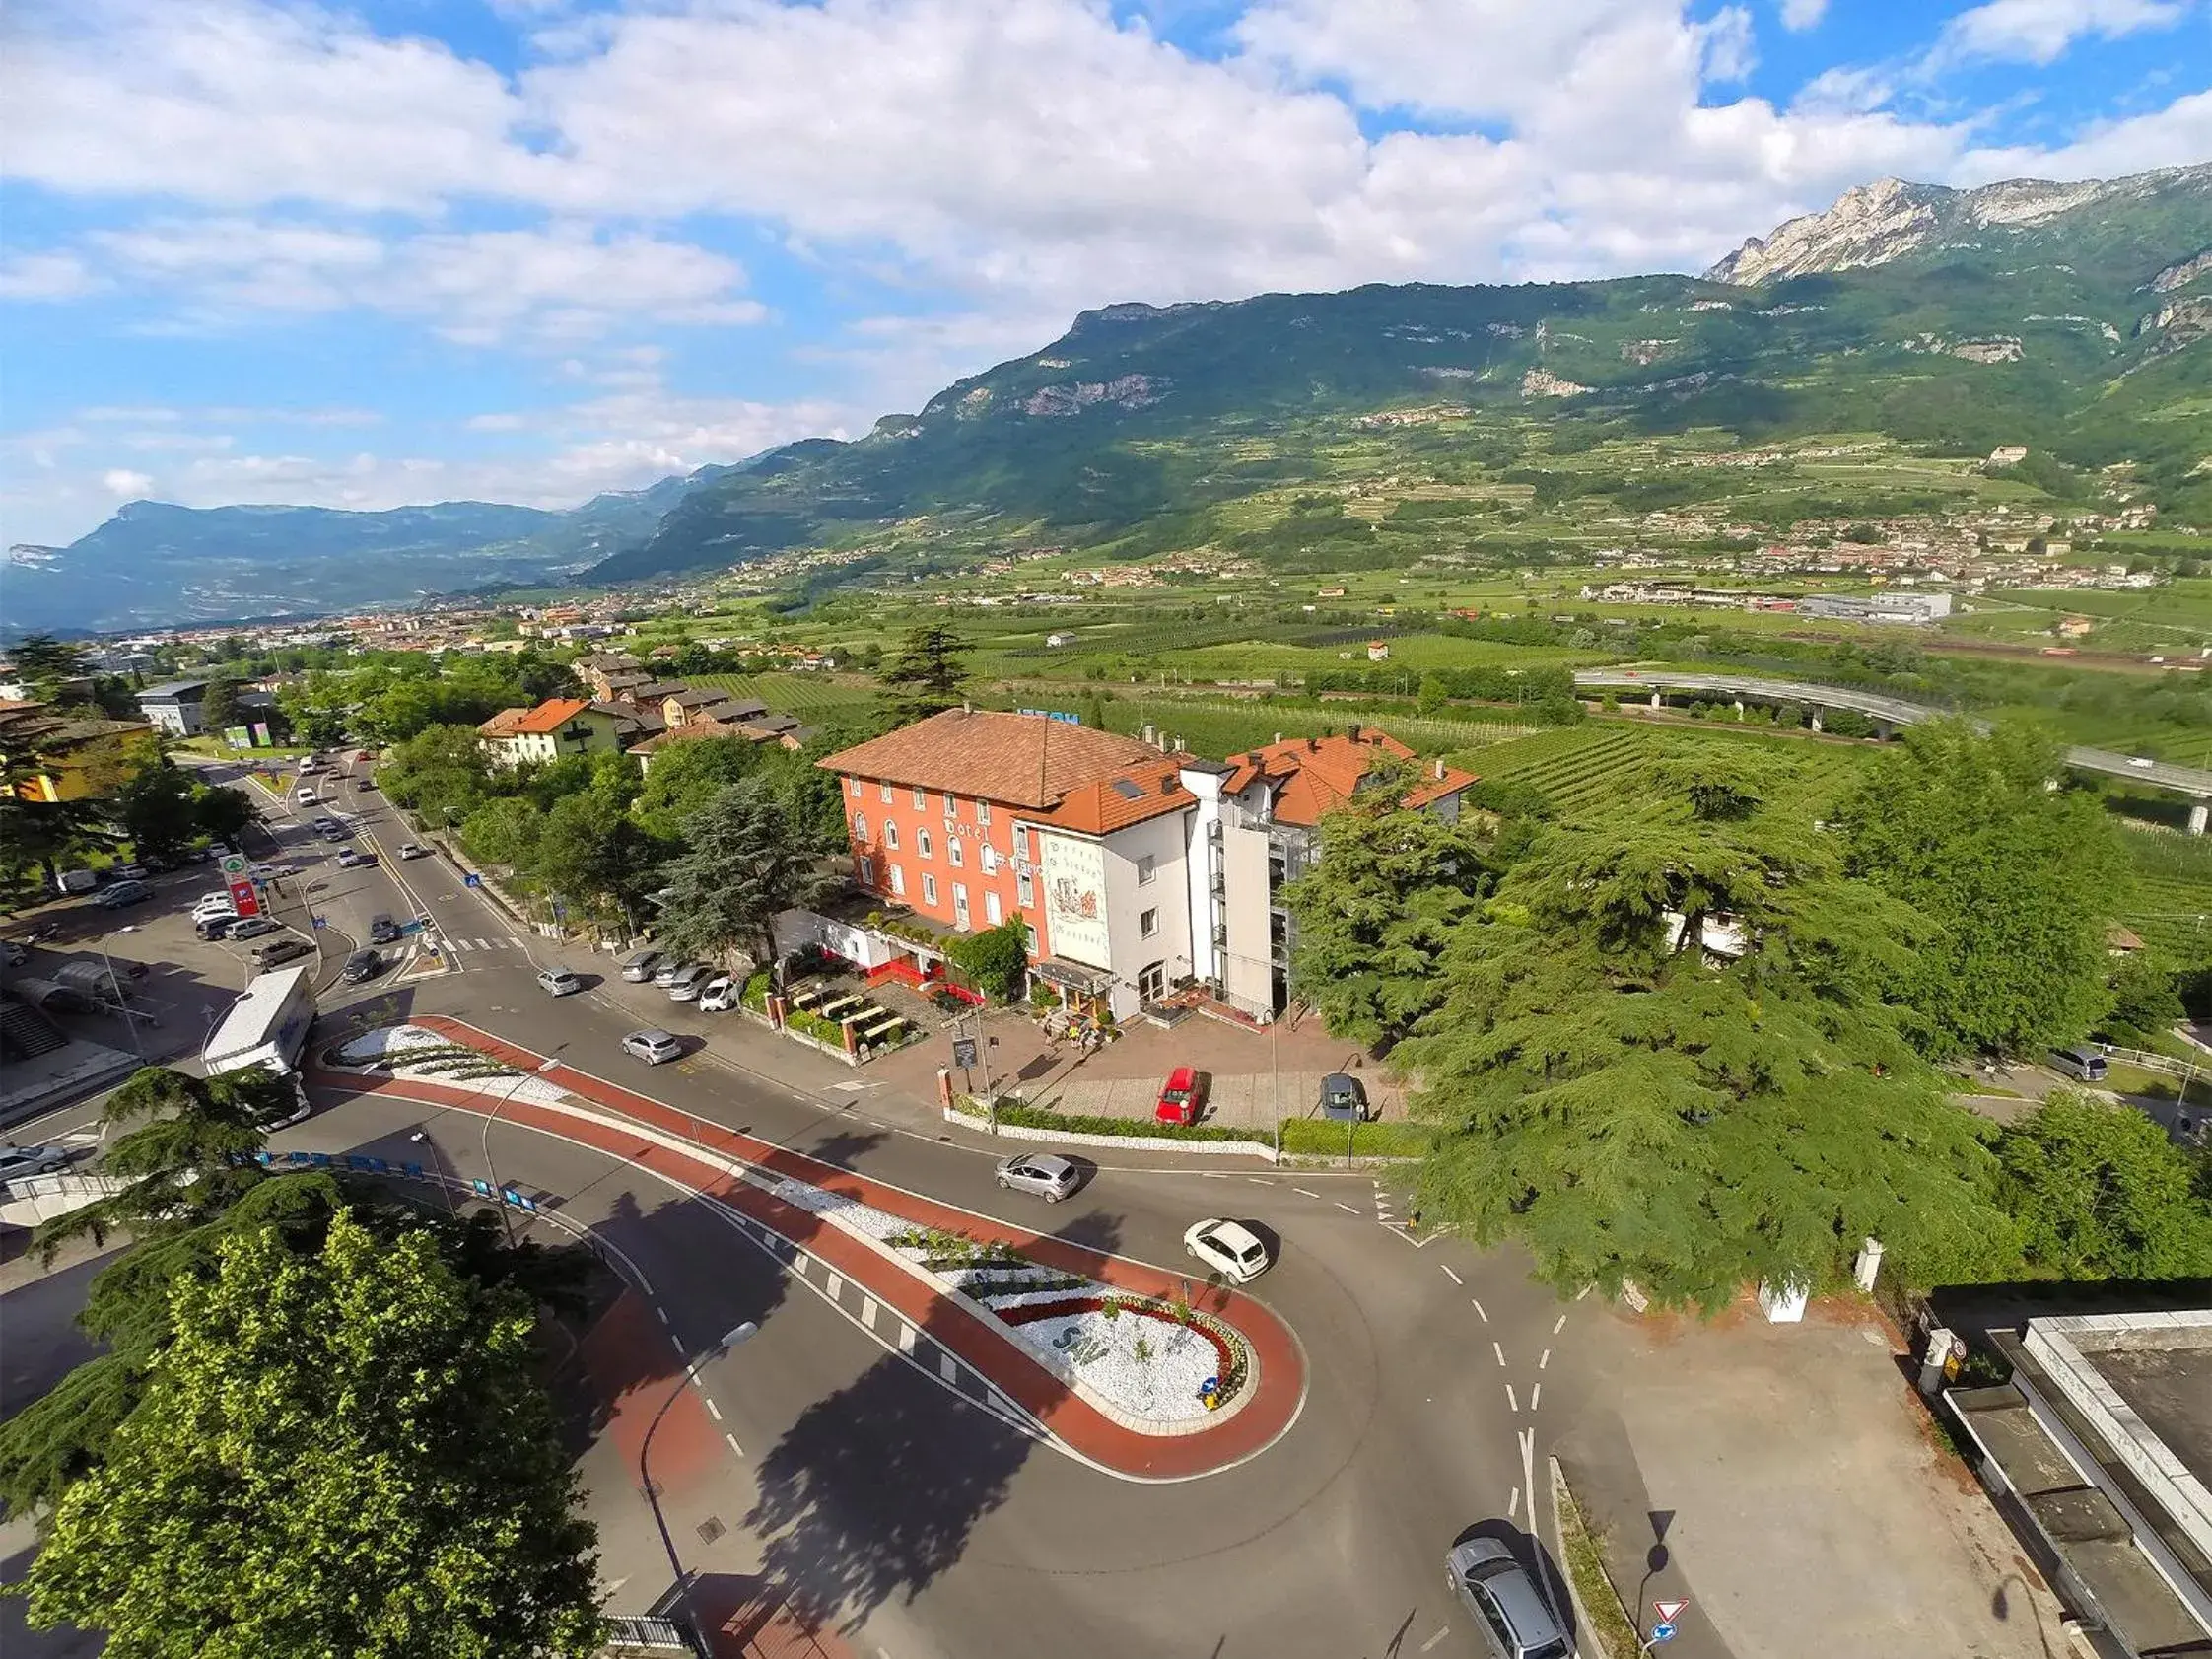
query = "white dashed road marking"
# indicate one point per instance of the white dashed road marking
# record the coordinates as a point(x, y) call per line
point(1512, 1400)
point(1432, 1642)
point(733, 1446)
point(1513, 1503)
point(1535, 1394)
point(1479, 1313)
point(949, 1368)
point(1558, 1325)
point(714, 1411)
point(1543, 1359)
point(1306, 1191)
point(1347, 1208)
point(867, 1312)
point(1448, 1273)
point(1500, 1352)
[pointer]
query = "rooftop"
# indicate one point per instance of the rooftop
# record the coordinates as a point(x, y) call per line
point(1310, 777)
point(1015, 760)
point(551, 715)
point(506, 724)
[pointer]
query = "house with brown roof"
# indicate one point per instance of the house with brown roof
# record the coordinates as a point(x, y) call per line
point(56, 757)
point(558, 726)
point(975, 817)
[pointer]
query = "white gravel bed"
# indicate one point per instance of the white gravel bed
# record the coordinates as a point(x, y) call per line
point(1163, 1386)
point(372, 1047)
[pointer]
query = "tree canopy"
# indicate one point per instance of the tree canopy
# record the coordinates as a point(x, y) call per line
point(339, 1452)
point(746, 861)
point(2020, 879)
point(925, 677)
point(2099, 1191)
point(1663, 1054)
point(1376, 911)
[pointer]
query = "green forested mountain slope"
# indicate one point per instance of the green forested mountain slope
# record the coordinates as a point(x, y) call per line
point(2075, 325)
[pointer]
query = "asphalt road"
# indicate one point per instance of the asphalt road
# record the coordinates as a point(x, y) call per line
point(1436, 1376)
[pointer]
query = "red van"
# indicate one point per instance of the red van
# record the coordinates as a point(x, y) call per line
point(1182, 1097)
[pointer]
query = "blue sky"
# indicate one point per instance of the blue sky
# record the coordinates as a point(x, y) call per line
point(530, 249)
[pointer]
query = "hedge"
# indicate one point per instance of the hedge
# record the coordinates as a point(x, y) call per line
point(1322, 1137)
point(1075, 1122)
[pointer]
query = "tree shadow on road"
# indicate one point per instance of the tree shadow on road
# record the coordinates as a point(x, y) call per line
point(875, 1490)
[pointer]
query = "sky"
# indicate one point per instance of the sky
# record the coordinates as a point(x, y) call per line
point(527, 250)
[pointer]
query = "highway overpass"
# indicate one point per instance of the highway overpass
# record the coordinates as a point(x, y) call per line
point(1888, 713)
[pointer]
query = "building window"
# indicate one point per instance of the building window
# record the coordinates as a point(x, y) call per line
point(890, 835)
point(929, 888)
point(922, 842)
point(994, 911)
point(921, 798)
point(1146, 867)
point(961, 907)
point(951, 806)
point(1151, 982)
point(887, 788)
point(854, 785)
point(1148, 923)
point(898, 881)
point(990, 859)
point(983, 811)
point(1026, 889)
point(954, 854)
point(1035, 943)
point(1021, 843)
point(867, 873)
point(860, 826)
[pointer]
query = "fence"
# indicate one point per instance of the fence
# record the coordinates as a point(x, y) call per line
point(2144, 1059)
point(647, 1635)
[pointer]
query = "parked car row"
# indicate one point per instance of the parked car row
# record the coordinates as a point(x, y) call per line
point(712, 990)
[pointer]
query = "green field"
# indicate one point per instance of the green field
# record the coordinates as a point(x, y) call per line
point(1220, 727)
point(2170, 908)
point(803, 695)
point(1586, 768)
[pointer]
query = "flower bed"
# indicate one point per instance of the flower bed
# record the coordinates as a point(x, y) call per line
point(1144, 1358)
point(416, 1055)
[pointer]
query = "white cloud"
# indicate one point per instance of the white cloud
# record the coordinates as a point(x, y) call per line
point(475, 287)
point(47, 276)
point(123, 483)
point(2038, 32)
point(239, 105)
point(1801, 15)
point(2178, 135)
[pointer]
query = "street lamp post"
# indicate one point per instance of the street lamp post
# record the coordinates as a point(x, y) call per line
point(499, 1193)
point(728, 1339)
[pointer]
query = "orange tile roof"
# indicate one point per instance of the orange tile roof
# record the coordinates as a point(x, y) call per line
point(1312, 776)
point(504, 724)
point(1015, 760)
point(1130, 797)
point(551, 716)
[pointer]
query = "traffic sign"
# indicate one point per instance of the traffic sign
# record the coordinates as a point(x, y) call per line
point(1671, 1610)
point(1662, 1633)
point(233, 864)
point(963, 1051)
point(473, 879)
point(323, 921)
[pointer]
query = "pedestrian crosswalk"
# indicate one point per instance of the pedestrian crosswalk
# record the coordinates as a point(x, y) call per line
point(483, 944)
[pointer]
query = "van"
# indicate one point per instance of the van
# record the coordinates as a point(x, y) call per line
point(2084, 1065)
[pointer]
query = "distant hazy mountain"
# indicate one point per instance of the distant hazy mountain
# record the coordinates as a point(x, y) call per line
point(2063, 317)
point(154, 562)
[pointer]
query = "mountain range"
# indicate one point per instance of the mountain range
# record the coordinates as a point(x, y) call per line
point(2069, 317)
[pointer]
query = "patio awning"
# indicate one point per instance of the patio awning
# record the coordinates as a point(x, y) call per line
point(1074, 976)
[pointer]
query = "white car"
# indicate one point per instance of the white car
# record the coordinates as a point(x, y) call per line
point(559, 981)
point(2142, 763)
point(214, 904)
point(305, 797)
point(1230, 1248)
point(721, 994)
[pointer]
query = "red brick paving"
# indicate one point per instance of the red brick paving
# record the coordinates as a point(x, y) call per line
point(634, 1370)
point(1280, 1381)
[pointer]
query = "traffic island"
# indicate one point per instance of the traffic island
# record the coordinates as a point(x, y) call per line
point(951, 1279)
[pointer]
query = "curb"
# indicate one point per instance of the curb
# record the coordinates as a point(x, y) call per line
point(1585, 1628)
point(981, 1125)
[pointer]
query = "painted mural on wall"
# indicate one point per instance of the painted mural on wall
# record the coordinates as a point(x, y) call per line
point(1076, 900)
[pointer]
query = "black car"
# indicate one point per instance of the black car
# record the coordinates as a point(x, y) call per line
point(382, 930)
point(1344, 1097)
point(362, 965)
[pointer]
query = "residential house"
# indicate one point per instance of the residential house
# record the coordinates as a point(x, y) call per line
point(175, 706)
point(1258, 828)
point(559, 726)
point(52, 758)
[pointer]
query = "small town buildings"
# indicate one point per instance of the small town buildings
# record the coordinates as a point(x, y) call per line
point(558, 726)
point(175, 706)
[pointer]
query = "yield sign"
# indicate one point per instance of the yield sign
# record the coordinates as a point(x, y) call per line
point(1669, 1611)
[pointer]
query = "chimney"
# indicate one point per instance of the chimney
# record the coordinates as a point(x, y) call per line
point(1313, 745)
point(1354, 733)
point(1153, 736)
point(967, 707)
point(1278, 737)
point(1439, 770)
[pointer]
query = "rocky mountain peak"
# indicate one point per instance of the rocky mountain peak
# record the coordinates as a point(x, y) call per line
point(1890, 218)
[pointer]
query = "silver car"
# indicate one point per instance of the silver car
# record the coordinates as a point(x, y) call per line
point(672, 969)
point(641, 966)
point(560, 982)
point(1047, 1175)
point(653, 1047)
point(1510, 1612)
point(31, 1160)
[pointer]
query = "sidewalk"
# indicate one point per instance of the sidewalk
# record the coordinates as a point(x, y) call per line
point(695, 1154)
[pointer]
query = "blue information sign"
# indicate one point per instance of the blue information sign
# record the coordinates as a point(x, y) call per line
point(1662, 1633)
point(473, 879)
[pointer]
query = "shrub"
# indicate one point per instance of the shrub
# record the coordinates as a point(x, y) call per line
point(1075, 1122)
point(1322, 1137)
